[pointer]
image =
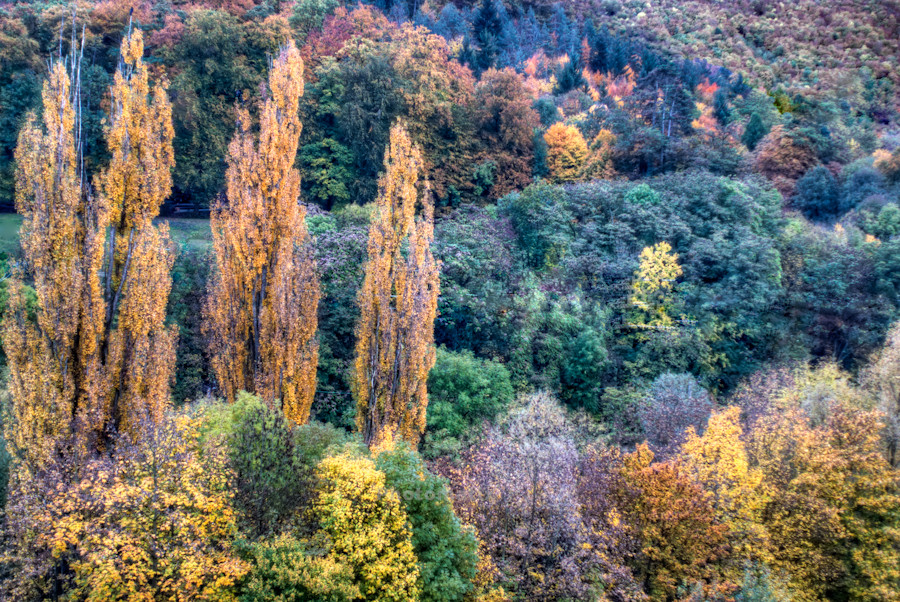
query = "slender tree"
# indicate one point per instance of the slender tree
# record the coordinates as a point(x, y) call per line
point(398, 303)
point(136, 362)
point(95, 356)
point(263, 299)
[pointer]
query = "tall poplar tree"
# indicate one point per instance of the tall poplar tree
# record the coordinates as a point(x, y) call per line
point(96, 355)
point(398, 304)
point(261, 311)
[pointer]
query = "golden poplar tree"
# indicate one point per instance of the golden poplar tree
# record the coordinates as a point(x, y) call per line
point(261, 311)
point(95, 356)
point(398, 304)
point(136, 362)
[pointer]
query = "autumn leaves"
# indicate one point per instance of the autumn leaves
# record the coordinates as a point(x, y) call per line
point(95, 356)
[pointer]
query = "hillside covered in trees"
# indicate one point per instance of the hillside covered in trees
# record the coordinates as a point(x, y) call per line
point(450, 301)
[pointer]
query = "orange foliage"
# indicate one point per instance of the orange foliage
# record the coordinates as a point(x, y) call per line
point(398, 304)
point(99, 356)
point(706, 90)
point(138, 354)
point(783, 160)
point(566, 152)
point(261, 312)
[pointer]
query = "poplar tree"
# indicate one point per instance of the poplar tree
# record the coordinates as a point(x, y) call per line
point(94, 355)
point(136, 360)
point(262, 304)
point(398, 304)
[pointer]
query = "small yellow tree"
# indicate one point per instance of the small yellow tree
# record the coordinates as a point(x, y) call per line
point(261, 311)
point(566, 152)
point(653, 285)
point(718, 460)
point(398, 304)
point(367, 528)
point(599, 163)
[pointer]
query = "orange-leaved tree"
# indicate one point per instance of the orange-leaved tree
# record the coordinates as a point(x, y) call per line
point(137, 349)
point(96, 355)
point(264, 296)
point(398, 303)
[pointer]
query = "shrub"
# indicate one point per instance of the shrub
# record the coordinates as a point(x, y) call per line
point(446, 551)
point(464, 390)
point(367, 528)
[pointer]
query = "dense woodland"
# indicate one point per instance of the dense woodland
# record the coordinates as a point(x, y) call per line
point(472, 301)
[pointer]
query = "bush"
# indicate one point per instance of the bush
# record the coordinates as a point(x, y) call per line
point(367, 528)
point(447, 552)
point(542, 223)
point(463, 390)
point(284, 569)
point(861, 184)
point(271, 486)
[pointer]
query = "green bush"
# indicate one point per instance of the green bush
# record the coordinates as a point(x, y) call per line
point(272, 484)
point(463, 390)
point(446, 551)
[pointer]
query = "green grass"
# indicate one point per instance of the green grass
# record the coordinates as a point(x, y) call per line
point(9, 234)
point(188, 234)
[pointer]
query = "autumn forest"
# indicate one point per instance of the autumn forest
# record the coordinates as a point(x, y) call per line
point(450, 300)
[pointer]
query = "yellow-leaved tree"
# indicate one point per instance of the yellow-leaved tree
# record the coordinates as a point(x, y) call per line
point(367, 529)
point(261, 310)
point(137, 349)
point(96, 355)
point(718, 460)
point(653, 286)
point(567, 152)
point(398, 304)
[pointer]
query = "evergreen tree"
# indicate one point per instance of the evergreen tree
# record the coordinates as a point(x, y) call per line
point(487, 29)
point(570, 76)
point(754, 132)
point(720, 107)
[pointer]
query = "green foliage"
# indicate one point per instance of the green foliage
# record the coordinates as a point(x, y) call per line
point(271, 485)
point(219, 60)
point(309, 15)
point(817, 194)
point(446, 551)
point(189, 277)
point(542, 223)
point(754, 131)
point(586, 363)
point(284, 569)
point(327, 172)
point(642, 194)
point(464, 390)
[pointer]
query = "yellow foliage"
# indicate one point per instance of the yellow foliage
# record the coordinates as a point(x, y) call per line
point(99, 354)
point(368, 528)
point(599, 162)
point(566, 152)
point(654, 284)
point(718, 460)
point(153, 522)
point(398, 304)
point(261, 311)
